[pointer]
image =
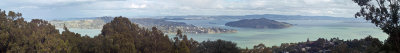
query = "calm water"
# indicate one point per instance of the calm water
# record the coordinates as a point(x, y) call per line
point(303, 30)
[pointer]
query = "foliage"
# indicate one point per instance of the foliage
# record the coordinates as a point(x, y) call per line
point(334, 45)
point(384, 14)
point(118, 36)
point(19, 36)
point(260, 48)
point(218, 46)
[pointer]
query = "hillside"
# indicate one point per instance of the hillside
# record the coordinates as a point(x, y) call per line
point(258, 23)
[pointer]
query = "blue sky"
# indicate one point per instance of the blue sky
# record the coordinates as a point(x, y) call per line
point(133, 8)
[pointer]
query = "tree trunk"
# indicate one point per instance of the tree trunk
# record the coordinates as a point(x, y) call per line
point(393, 42)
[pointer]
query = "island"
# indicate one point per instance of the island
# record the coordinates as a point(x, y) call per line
point(259, 23)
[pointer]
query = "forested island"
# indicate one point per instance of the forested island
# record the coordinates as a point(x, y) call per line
point(259, 23)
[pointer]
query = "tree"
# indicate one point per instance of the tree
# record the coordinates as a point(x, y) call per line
point(19, 36)
point(126, 37)
point(183, 48)
point(181, 43)
point(384, 14)
point(122, 34)
point(260, 48)
point(179, 33)
point(218, 46)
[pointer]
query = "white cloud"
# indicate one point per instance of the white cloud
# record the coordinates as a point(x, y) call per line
point(138, 6)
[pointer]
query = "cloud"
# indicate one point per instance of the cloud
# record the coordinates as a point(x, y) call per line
point(133, 5)
point(94, 8)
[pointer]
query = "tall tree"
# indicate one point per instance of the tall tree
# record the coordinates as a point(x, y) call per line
point(121, 34)
point(126, 37)
point(384, 14)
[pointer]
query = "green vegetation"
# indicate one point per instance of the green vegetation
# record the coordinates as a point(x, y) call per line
point(219, 46)
point(122, 36)
point(259, 23)
point(384, 14)
point(19, 36)
point(333, 45)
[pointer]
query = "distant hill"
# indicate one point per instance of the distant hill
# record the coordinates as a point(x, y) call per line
point(172, 27)
point(258, 23)
point(163, 25)
point(256, 16)
point(159, 22)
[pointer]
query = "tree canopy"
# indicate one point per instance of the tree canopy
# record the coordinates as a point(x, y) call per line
point(384, 14)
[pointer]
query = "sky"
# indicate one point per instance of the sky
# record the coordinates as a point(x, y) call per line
point(133, 8)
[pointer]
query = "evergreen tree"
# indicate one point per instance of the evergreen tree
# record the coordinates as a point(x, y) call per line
point(384, 14)
point(218, 46)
